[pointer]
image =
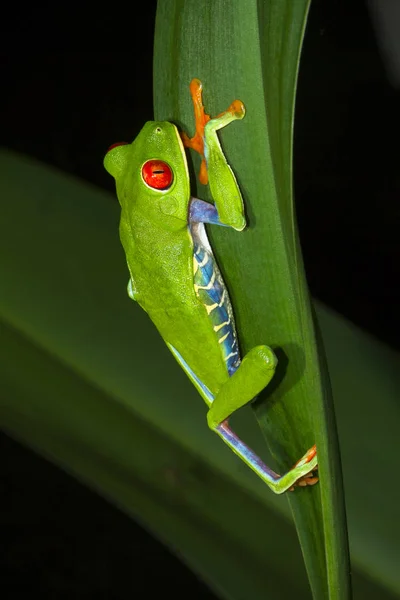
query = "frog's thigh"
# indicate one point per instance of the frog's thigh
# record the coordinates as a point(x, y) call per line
point(252, 376)
point(201, 387)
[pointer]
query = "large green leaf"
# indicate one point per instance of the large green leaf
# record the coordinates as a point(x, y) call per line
point(88, 383)
point(250, 50)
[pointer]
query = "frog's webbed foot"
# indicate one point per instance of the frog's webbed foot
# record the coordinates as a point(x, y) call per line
point(300, 475)
point(201, 119)
point(310, 478)
point(206, 126)
point(253, 375)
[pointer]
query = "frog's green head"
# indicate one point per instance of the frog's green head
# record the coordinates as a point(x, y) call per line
point(151, 175)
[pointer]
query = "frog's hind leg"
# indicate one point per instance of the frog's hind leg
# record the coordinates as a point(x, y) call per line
point(201, 388)
point(251, 377)
point(300, 475)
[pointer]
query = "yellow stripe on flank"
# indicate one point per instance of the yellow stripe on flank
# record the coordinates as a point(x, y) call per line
point(195, 266)
point(223, 338)
point(208, 286)
point(230, 355)
point(204, 261)
point(222, 298)
point(210, 307)
point(218, 327)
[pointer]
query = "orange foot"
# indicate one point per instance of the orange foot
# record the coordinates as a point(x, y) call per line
point(310, 478)
point(201, 119)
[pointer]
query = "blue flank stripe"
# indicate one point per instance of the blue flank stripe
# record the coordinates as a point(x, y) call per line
point(220, 314)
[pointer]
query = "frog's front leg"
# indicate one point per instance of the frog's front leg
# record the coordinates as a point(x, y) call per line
point(214, 168)
point(203, 212)
point(252, 376)
point(223, 185)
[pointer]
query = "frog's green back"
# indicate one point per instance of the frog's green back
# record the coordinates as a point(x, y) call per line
point(157, 240)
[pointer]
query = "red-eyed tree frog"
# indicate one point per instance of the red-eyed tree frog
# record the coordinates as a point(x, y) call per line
point(174, 276)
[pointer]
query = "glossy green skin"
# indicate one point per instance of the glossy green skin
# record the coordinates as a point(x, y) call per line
point(159, 250)
point(158, 244)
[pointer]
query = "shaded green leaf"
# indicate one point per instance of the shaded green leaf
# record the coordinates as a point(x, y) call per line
point(88, 383)
point(251, 51)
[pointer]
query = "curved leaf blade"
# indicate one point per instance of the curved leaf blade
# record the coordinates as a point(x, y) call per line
point(63, 296)
point(251, 51)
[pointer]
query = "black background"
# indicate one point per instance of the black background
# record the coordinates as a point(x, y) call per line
point(76, 79)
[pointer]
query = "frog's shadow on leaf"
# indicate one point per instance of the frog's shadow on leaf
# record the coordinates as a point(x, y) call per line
point(264, 399)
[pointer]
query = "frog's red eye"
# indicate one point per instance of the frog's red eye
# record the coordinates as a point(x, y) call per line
point(157, 174)
point(117, 144)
